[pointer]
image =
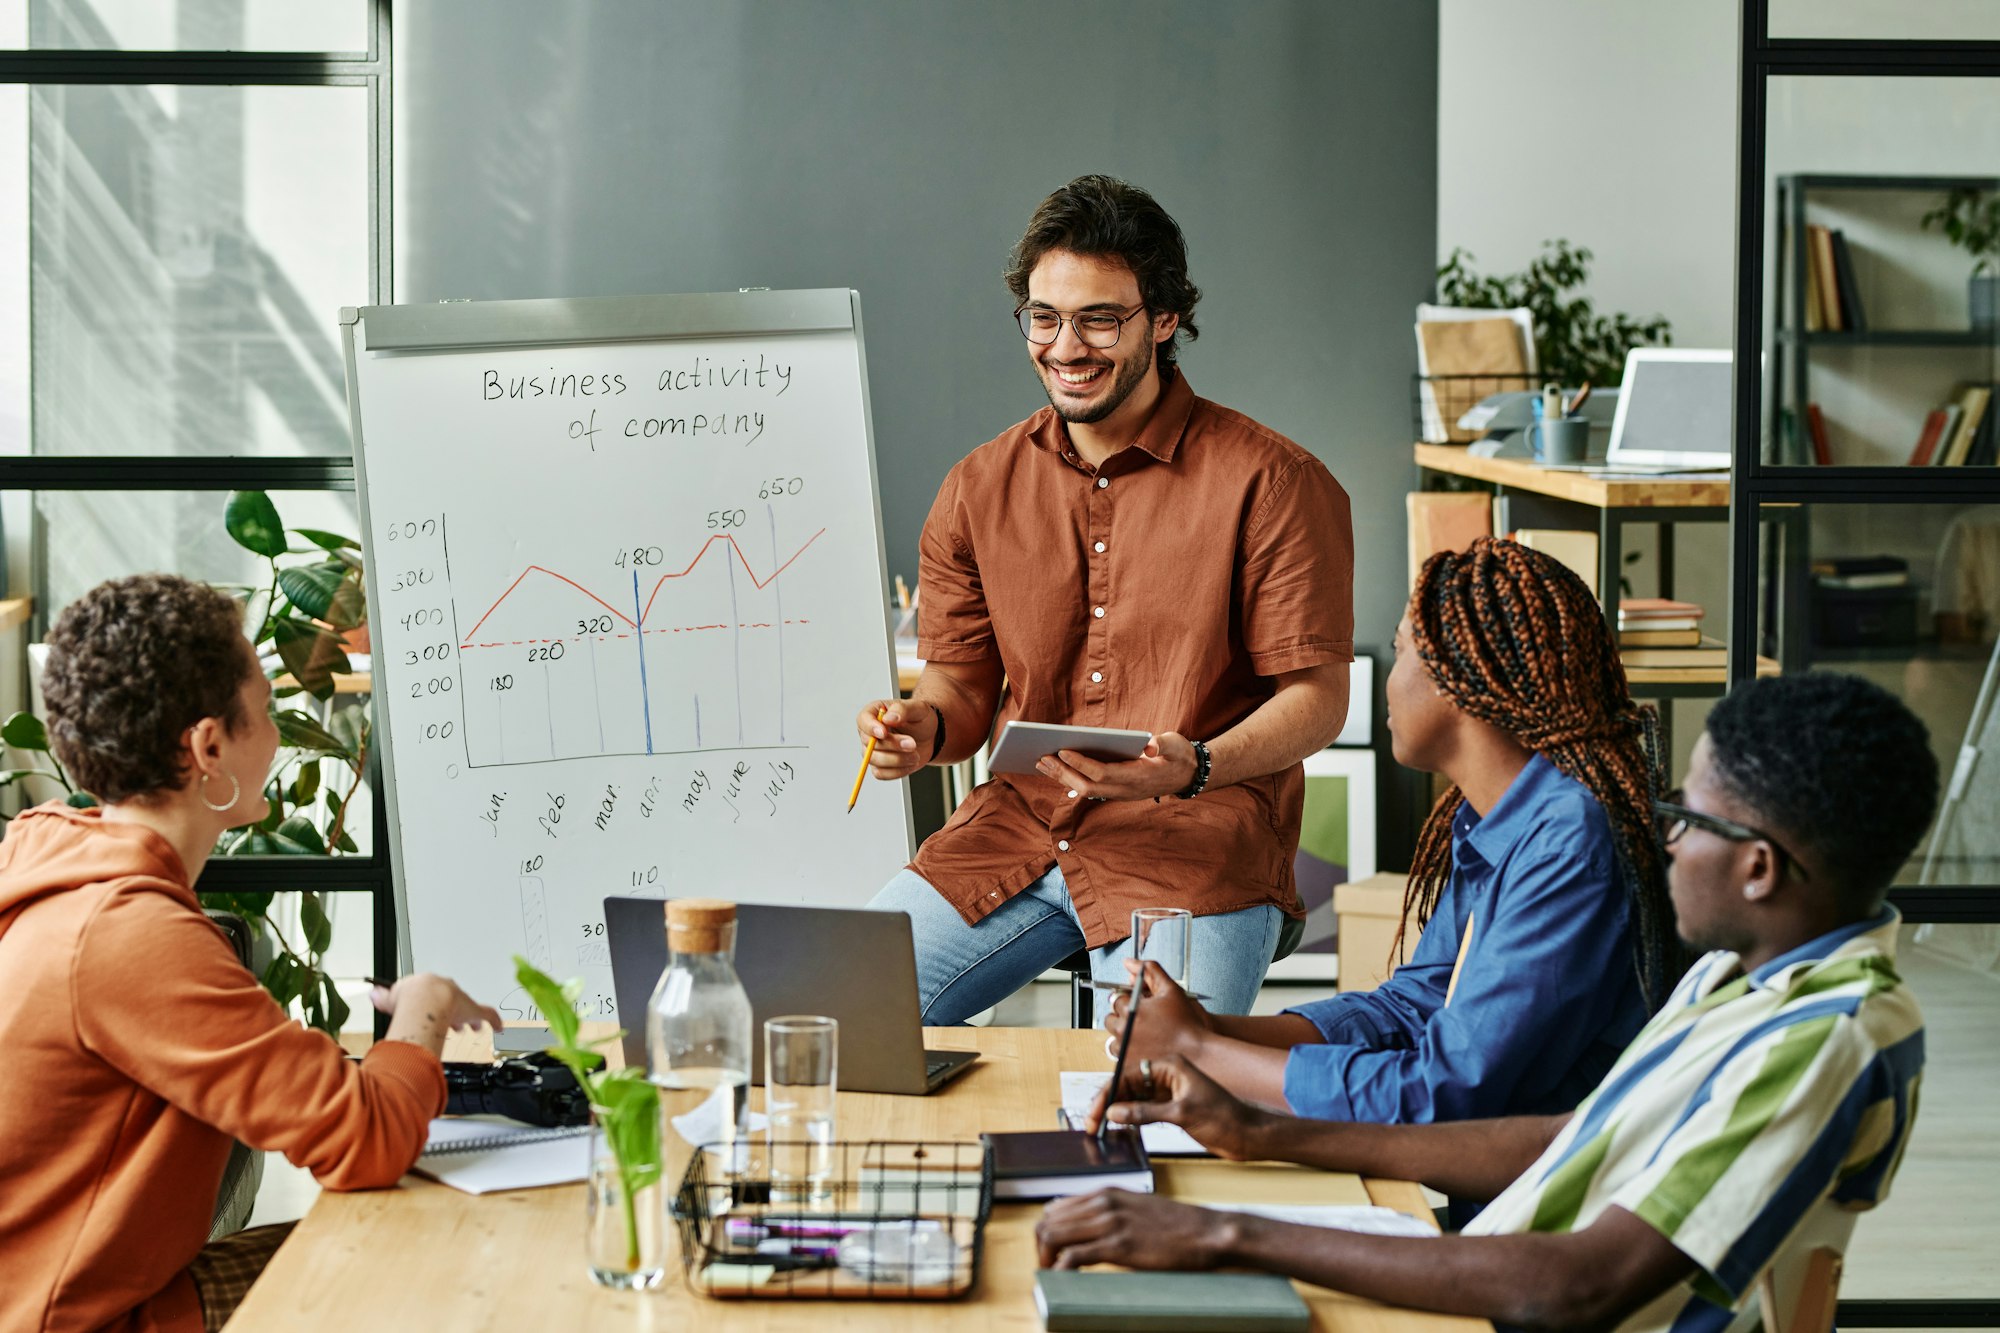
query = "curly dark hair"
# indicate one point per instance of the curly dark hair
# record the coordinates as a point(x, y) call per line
point(1836, 766)
point(133, 663)
point(1105, 217)
point(1514, 638)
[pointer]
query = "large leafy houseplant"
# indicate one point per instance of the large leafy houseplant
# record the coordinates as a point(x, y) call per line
point(1573, 343)
point(313, 596)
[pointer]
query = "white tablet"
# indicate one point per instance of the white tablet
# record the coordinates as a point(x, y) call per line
point(1022, 743)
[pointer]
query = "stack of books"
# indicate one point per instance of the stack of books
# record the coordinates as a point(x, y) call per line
point(1959, 434)
point(1833, 298)
point(1661, 632)
point(1855, 572)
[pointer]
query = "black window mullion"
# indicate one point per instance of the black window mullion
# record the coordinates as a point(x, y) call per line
point(369, 874)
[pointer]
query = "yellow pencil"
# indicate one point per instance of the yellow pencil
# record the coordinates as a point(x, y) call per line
point(862, 776)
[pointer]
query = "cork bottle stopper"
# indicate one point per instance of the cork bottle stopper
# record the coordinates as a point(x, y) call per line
point(698, 925)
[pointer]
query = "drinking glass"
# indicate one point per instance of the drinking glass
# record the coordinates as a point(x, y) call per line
point(1165, 935)
point(801, 1059)
point(625, 1232)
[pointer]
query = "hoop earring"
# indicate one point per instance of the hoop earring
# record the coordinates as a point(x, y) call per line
point(235, 793)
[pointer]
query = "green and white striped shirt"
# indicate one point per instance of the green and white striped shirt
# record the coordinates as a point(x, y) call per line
point(1748, 1122)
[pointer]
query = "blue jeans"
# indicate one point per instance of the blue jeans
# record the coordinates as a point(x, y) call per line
point(963, 969)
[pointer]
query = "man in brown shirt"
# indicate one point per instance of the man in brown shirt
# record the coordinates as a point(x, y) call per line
point(1131, 556)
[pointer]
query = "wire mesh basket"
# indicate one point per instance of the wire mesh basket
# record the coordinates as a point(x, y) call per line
point(1438, 401)
point(877, 1220)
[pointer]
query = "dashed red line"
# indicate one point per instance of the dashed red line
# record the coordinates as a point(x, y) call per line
point(602, 638)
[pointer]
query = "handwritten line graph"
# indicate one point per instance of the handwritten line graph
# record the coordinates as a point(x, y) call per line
point(643, 612)
point(585, 705)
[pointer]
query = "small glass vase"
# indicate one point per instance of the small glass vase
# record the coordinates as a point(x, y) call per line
point(625, 1239)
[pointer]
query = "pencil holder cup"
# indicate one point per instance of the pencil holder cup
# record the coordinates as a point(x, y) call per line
point(1563, 441)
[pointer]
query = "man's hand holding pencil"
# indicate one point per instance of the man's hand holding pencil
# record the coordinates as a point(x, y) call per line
point(899, 733)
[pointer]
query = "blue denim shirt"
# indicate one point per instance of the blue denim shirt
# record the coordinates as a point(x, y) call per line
point(1548, 995)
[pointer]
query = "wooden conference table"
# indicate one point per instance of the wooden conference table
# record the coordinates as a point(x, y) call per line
point(425, 1256)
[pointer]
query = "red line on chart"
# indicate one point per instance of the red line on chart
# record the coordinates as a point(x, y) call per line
point(760, 584)
point(722, 537)
point(537, 569)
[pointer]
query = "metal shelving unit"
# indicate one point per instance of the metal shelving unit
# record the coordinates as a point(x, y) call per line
point(1759, 483)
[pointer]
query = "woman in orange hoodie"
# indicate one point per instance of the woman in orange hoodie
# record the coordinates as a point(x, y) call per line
point(137, 1045)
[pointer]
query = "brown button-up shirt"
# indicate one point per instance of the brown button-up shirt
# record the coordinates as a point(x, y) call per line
point(1161, 591)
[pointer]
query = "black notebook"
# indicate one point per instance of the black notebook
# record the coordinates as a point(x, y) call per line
point(1053, 1163)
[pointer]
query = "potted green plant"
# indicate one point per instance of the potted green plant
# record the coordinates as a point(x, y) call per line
point(625, 1211)
point(1970, 219)
point(1573, 343)
point(313, 597)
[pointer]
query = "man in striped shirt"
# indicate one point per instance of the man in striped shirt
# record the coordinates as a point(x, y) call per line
point(1765, 1105)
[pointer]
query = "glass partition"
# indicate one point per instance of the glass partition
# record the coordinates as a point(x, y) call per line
point(1886, 20)
point(1881, 271)
point(1907, 596)
point(1932, 1238)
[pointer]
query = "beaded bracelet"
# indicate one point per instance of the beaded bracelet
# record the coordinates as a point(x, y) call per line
point(937, 741)
point(1200, 782)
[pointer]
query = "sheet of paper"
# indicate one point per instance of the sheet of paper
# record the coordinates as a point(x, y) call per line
point(1374, 1220)
point(1080, 1089)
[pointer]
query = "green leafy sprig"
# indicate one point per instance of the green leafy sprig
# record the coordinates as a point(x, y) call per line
point(1970, 219)
point(1573, 343)
point(627, 1105)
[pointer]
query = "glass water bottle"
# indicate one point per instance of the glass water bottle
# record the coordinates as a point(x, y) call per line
point(698, 1033)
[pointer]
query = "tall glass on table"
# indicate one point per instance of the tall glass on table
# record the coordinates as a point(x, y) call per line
point(698, 1037)
point(801, 1077)
point(1165, 935)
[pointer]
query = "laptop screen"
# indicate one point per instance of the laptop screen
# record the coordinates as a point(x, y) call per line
point(1674, 408)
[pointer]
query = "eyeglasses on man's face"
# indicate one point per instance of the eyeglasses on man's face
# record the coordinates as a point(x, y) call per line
point(1674, 819)
point(1093, 328)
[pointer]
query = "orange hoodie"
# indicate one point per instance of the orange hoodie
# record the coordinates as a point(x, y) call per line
point(135, 1048)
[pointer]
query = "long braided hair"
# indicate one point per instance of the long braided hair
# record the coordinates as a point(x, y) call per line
point(1515, 639)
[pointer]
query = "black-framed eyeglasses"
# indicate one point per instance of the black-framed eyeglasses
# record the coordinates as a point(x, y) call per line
point(1093, 328)
point(1674, 819)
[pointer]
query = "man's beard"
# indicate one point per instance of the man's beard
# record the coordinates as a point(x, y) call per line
point(1129, 376)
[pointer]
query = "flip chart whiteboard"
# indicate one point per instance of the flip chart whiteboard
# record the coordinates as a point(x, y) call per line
point(626, 595)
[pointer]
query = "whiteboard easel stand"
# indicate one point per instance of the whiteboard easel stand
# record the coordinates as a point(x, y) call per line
point(459, 326)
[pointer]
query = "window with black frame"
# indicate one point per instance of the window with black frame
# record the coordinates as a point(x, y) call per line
point(190, 190)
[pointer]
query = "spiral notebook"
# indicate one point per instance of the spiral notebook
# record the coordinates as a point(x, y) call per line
point(483, 1156)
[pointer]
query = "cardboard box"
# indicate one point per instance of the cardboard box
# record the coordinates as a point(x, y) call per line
point(1367, 911)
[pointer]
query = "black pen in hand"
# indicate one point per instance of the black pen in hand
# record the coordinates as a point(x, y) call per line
point(1118, 1069)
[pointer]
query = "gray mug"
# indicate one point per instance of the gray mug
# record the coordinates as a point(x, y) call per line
point(1563, 441)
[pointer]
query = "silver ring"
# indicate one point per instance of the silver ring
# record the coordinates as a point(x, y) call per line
point(1146, 1074)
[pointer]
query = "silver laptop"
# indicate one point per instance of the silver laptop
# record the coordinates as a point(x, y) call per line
point(850, 964)
point(1673, 414)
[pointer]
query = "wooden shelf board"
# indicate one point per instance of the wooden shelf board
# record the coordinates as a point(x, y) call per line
point(1692, 675)
point(1707, 492)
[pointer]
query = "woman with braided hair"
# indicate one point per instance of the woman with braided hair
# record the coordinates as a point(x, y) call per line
point(1548, 936)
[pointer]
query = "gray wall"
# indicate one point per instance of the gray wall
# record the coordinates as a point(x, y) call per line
point(898, 146)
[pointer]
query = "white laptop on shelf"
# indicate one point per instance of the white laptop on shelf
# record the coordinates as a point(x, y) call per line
point(1673, 415)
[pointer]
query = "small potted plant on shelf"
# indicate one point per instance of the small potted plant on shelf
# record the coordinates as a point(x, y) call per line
point(1970, 219)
